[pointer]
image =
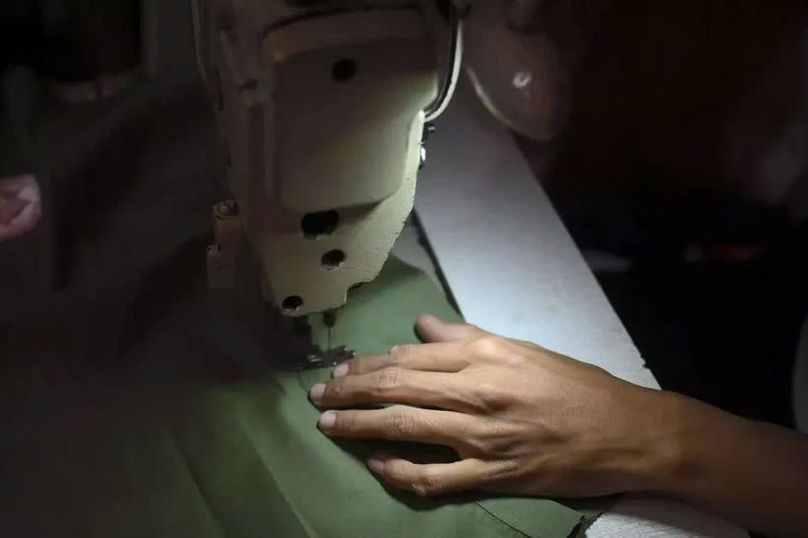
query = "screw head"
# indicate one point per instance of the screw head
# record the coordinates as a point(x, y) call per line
point(228, 208)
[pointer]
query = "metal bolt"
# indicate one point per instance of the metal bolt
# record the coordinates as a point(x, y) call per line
point(429, 128)
point(228, 208)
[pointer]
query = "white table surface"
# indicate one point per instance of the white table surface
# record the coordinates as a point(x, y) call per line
point(514, 269)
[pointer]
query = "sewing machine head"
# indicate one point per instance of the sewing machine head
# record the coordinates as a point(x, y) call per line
point(322, 108)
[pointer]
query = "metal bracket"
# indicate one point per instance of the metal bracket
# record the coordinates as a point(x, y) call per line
point(228, 233)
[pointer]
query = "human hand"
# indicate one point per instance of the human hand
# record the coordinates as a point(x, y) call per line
point(523, 419)
point(20, 205)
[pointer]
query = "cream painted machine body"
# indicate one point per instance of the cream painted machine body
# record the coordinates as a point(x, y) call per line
point(322, 118)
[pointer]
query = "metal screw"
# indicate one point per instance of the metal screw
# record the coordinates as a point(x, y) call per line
point(228, 208)
point(429, 128)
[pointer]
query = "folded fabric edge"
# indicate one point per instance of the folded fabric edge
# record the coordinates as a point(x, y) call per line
point(579, 531)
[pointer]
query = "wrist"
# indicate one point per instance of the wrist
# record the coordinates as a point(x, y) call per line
point(650, 450)
point(691, 446)
point(751, 472)
point(662, 448)
point(671, 432)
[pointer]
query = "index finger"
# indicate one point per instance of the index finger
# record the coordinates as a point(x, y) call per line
point(432, 329)
point(440, 357)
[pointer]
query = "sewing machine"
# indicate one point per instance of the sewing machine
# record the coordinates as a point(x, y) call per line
point(324, 108)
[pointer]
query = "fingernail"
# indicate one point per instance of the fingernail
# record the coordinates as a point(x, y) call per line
point(328, 419)
point(317, 391)
point(376, 465)
point(340, 371)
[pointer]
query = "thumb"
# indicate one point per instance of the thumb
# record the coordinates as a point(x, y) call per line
point(431, 329)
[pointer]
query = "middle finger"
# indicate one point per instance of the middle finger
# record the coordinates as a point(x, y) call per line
point(394, 385)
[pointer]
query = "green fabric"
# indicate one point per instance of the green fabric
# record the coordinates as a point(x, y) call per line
point(381, 314)
point(238, 459)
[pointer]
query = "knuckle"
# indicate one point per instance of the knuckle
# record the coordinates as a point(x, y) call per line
point(356, 365)
point(396, 473)
point(398, 354)
point(387, 380)
point(346, 421)
point(336, 390)
point(491, 396)
point(499, 349)
point(514, 359)
point(488, 346)
point(487, 390)
point(400, 424)
point(427, 484)
point(499, 438)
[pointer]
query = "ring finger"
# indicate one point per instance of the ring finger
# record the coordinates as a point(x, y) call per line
point(401, 423)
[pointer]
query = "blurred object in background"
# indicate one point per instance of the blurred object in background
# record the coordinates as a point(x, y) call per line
point(92, 47)
point(520, 56)
point(686, 121)
point(90, 92)
point(673, 100)
point(517, 72)
point(20, 206)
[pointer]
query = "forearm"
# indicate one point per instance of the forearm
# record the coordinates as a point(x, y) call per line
point(752, 472)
